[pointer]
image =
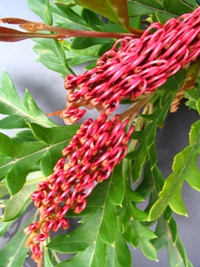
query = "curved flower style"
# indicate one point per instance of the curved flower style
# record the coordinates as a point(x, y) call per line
point(135, 66)
point(90, 157)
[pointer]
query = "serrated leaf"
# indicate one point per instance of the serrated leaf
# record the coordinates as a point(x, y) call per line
point(14, 253)
point(19, 113)
point(116, 11)
point(162, 232)
point(184, 168)
point(3, 227)
point(56, 138)
point(66, 17)
point(12, 122)
point(148, 250)
point(140, 153)
point(80, 43)
point(138, 214)
point(92, 20)
point(24, 135)
point(3, 190)
point(42, 9)
point(118, 254)
point(173, 230)
point(176, 254)
point(52, 56)
point(193, 97)
point(79, 239)
point(17, 159)
point(176, 251)
point(167, 237)
point(107, 230)
point(178, 7)
point(165, 95)
point(88, 258)
point(22, 199)
point(156, 8)
point(117, 188)
point(138, 234)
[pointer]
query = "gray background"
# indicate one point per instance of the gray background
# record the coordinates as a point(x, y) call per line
point(46, 87)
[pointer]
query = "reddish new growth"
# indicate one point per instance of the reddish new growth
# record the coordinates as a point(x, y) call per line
point(134, 66)
point(90, 157)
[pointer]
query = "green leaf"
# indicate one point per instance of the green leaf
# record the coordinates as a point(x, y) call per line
point(107, 230)
point(42, 9)
point(79, 239)
point(138, 214)
point(184, 168)
point(92, 20)
point(148, 136)
point(139, 155)
point(52, 56)
point(22, 199)
point(3, 190)
point(24, 135)
point(117, 188)
point(161, 11)
point(3, 227)
point(137, 234)
point(176, 252)
point(193, 97)
point(148, 250)
point(69, 18)
point(47, 260)
point(17, 159)
point(98, 229)
point(14, 253)
point(178, 7)
point(93, 256)
point(19, 113)
point(173, 230)
point(162, 102)
point(162, 232)
point(118, 254)
point(50, 258)
point(116, 11)
point(56, 138)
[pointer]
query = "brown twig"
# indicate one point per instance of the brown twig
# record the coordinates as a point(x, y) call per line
point(34, 27)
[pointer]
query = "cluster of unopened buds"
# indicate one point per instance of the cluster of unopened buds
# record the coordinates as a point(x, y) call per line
point(89, 158)
point(133, 67)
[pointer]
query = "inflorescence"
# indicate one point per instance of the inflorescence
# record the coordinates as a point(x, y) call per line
point(90, 157)
point(133, 67)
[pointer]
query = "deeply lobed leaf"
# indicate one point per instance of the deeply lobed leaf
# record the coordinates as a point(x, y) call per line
point(17, 159)
point(184, 168)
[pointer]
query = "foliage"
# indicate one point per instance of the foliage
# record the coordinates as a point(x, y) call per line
point(112, 220)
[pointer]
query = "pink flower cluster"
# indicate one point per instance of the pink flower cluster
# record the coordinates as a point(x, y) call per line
point(89, 158)
point(135, 66)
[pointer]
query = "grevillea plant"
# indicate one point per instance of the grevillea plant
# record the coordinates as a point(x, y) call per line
point(143, 53)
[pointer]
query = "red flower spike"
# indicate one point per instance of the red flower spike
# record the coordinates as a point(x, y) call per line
point(136, 66)
point(89, 158)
